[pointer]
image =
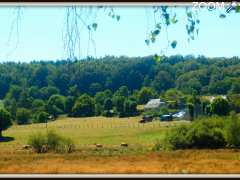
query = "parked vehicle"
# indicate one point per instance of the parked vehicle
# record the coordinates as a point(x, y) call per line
point(166, 117)
point(180, 114)
point(146, 118)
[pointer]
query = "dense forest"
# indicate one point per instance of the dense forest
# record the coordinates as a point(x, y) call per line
point(109, 85)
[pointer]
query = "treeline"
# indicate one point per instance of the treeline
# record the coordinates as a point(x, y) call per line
point(109, 86)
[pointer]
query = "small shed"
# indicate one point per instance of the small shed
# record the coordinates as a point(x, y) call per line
point(154, 104)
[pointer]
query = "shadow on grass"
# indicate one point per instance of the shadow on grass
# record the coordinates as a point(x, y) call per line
point(6, 139)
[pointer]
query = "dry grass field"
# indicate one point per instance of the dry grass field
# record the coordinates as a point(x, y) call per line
point(137, 158)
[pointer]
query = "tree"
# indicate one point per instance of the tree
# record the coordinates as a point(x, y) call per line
point(108, 104)
point(119, 104)
point(122, 91)
point(130, 108)
point(98, 109)
point(5, 120)
point(23, 116)
point(47, 92)
point(14, 92)
point(145, 94)
point(94, 88)
point(4, 84)
point(84, 106)
point(24, 100)
point(70, 100)
point(40, 76)
point(191, 111)
point(42, 117)
point(38, 105)
point(220, 107)
point(56, 105)
point(163, 81)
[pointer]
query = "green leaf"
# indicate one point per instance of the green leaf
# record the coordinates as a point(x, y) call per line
point(94, 26)
point(189, 14)
point(197, 31)
point(153, 39)
point(174, 44)
point(238, 8)
point(147, 42)
point(158, 26)
point(156, 32)
point(174, 20)
point(118, 18)
point(157, 58)
point(222, 16)
point(89, 28)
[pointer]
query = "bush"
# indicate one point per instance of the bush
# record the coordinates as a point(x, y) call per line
point(51, 141)
point(200, 134)
point(38, 141)
point(233, 131)
point(41, 117)
point(220, 107)
point(177, 138)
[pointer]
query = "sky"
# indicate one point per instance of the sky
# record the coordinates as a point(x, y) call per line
point(41, 29)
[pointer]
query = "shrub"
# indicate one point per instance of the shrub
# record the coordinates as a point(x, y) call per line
point(37, 141)
point(177, 139)
point(51, 141)
point(42, 117)
point(65, 146)
point(220, 107)
point(203, 135)
point(200, 134)
point(233, 131)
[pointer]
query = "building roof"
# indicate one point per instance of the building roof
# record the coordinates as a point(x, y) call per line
point(154, 103)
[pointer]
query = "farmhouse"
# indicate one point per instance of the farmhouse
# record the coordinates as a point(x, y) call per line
point(154, 104)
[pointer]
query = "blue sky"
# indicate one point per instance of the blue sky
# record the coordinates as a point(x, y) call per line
point(41, 28)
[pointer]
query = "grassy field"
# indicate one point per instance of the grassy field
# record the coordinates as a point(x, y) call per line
point(87, 131)
point(137, 158)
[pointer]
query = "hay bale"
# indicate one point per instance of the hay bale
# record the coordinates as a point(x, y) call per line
point(26, 146)
point(123, 144)
point(99, 145)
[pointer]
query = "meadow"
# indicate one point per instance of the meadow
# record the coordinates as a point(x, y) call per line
point(138, 157)
point(101, 130)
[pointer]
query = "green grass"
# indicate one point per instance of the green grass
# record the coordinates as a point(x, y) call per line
point(87, 131)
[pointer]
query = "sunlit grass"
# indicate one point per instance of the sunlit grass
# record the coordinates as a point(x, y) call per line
point(87, 131)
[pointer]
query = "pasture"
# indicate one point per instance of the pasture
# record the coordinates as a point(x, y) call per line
point(110, 132)
point(87, 131)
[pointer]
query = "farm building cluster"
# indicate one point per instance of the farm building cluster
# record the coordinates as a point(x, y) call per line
point(156, 105)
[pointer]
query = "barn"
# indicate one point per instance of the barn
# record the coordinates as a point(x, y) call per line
point(154, 104)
